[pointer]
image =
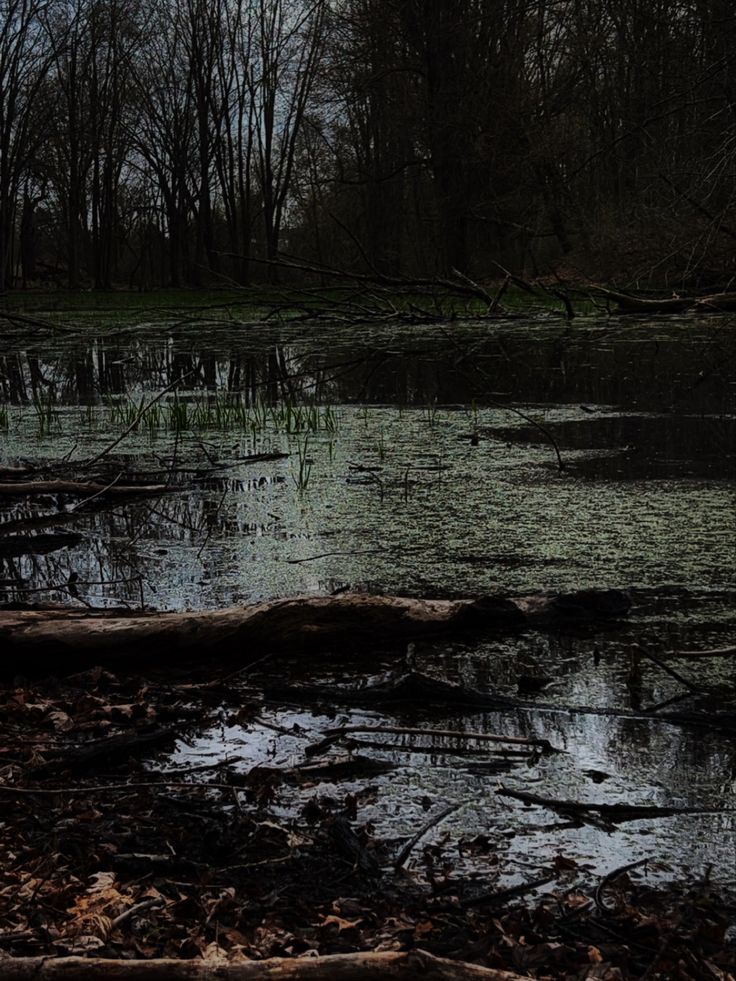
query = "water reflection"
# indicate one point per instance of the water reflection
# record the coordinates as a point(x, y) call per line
point(651, 367)
point(453, 492)
point(425, 484)
point(603, 759)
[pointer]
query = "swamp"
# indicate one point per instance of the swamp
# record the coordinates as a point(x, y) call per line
point(367, 490)
point(485, 722)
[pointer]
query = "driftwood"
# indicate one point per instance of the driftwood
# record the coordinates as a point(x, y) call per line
point(382, 966)
point(353, 621)
point(501, 896)
point(403, 856)
point(350, 768)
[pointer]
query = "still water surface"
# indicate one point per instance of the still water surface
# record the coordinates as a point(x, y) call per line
point(427, 467)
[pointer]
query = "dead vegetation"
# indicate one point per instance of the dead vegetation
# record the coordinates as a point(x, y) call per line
point(109, 854)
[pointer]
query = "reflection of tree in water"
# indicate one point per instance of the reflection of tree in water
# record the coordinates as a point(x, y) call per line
point(126, 545)
point(411, 369)
point(15, 369)
point(541, 364)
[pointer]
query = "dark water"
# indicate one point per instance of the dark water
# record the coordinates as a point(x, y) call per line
point(429, 468)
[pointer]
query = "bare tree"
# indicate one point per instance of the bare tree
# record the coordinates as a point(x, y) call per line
point(114, 41)
point(204, 26)
point(288, 48)
point(25, 55)
point(139, 142)
point(234, 151)
point(165, 133)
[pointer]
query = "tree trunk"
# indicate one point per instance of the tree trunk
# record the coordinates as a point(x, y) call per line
point(5, 250)
point(28, 240)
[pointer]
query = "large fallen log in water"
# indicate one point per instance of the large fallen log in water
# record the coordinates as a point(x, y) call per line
point(55, 638)
point(381, 966)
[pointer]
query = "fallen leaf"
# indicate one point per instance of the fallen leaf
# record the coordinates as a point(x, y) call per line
point(340, 923)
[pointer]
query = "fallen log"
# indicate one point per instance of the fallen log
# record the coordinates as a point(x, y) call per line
point(615, 813)
point(77, 488)
point(381, 966)
point(714, 302)
point(715, 652)
point(635, 304)
point(63, 638)
point(339, 732)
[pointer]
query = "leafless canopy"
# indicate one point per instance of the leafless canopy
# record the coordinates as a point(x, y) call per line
point(180, 142)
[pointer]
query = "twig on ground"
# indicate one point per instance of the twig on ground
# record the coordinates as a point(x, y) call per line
point(406, 851)
point(609, 878)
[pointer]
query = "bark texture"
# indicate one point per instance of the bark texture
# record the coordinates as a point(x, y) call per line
point(58, 637)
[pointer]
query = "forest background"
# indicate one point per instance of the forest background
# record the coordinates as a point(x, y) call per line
point(193, 142)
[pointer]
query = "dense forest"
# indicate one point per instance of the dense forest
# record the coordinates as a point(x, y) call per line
point(192, 142)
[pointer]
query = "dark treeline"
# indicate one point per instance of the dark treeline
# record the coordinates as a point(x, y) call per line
point(150, 143)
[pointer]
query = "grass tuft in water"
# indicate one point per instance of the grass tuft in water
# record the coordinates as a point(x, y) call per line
point(46, 414)
point(301, 478)
point(225, 414)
